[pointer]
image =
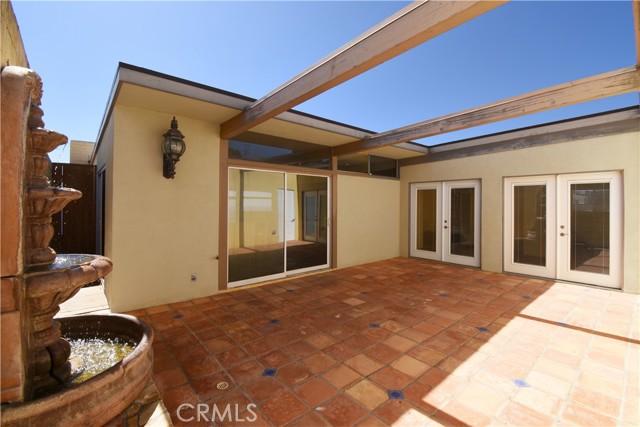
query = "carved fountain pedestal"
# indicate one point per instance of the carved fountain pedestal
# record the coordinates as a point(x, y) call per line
point(35, 372)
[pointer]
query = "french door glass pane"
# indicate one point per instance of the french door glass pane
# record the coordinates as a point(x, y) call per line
point(255, 226)
point(462, 221)
point(529, 224)
point(426, 220)
point(589, 249)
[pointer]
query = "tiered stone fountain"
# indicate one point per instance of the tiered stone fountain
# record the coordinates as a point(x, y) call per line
point(35, 281)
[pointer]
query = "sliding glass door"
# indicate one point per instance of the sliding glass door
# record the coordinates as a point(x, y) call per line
point(268, 226)
point(567, 227)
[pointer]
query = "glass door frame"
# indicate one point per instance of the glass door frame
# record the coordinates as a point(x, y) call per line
point(413, 232)
point(558, 226)
point(443, 221)
point(285, 272)
point(563, 235)
point(549, 269)
point(447, 255)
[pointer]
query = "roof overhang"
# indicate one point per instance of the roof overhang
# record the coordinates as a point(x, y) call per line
point(147, 89)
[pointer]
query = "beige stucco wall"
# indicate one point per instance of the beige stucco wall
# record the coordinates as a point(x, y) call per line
point(161, 231)
point(368, 219)
point(618, 152)
point(11, 46)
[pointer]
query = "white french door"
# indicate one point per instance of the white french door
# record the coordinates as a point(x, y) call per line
point(567, 227)
point(445, 221)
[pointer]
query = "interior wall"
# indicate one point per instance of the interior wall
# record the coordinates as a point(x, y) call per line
point(368, 219)
point(617, 152)
point(161, 230)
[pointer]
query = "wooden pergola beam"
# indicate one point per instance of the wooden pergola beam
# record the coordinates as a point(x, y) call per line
point(601, 86)
point(413, 25)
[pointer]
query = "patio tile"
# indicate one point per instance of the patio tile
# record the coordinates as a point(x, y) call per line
point(219, 345)
point(457, 413)
point(275, 359)
point(300, 349)
point(428, 346)
point(283, 408)
point(363, 364)
point(515, 414)
point(400, 413)
point(310, 419)
point(246, 372)
point(391, 379)
point(341, 351)
point(427, 355)
point(581, 415)
point(371, 421)
point(256, 348)
point(341, 376)
point(315, 391)
point(367, 394)
point(383, 353)
point(342, 411)
point(321, 340)
point(169, 379)
point(201, 367)
point(598, 402)
point(418, 395)
point(232, 357)
point(293, 374)
point(359, 341)
point(319, 362)
point(399, 343)
point(206, 387)
point(410, 366)
point(263, 388)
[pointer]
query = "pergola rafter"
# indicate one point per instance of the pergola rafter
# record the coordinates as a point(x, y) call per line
point(601, 86)
point(413, 25)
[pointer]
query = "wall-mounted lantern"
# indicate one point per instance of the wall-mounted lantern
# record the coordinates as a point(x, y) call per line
point(173, 147)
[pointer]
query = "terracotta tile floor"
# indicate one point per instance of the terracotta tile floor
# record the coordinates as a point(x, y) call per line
point(401, 342)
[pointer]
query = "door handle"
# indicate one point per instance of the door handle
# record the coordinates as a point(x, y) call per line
point(562, 234)
point(446, 226)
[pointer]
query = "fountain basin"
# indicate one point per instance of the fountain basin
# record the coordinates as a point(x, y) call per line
point(102, 398)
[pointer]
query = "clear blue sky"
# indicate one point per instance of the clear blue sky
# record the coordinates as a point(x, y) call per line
point(253, 47)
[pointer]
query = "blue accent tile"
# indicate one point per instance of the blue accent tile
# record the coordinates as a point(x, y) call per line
point(395, 394)
point(178, 316)
point(520, 383)
point(289, 290)
point(364, 292)
point(374, 325)
point(563, 324)
point(482, 329)
point(269, 372)
point(274, 321)
point(443, 295)
point(526, 296)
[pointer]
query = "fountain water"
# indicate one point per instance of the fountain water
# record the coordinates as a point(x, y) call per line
point(35, 281)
